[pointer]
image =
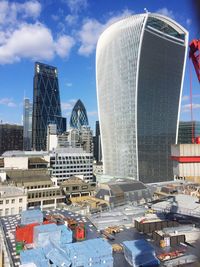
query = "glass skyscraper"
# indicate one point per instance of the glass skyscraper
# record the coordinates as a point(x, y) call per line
point(79, 116)
point(46, 104)
point(140, 63)
point(27, 124)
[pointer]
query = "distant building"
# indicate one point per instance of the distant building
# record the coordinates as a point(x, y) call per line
point(185, 131)
point(86, 139)
point(79, 116)
point(13, 200)
point(11, 137)
point(140, 65)
point(41, 192)
point(97, 143)
point(46, 104)
point(68, 162)
point(27, 123)
point(186, 162)
point(122, 191)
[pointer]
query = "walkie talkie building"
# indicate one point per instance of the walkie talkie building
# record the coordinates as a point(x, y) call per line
point(46, 104)
point(140, 63)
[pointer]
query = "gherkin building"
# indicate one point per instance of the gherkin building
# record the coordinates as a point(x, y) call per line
point(79, 116)
point(46, 104)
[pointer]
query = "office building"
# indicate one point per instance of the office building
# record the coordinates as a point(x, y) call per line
point(27, 123)
point(186, 130)
point(79, 116)
point(140, 63)
point(11, 137)
point(86, 139)
point(46, 104)
point(68, 162)
point(97, 143)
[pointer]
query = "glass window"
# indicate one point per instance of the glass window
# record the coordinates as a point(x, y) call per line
point(1, 202)
point(7, 201)
point(6, 211)
point(20, 200)
point(12, 201)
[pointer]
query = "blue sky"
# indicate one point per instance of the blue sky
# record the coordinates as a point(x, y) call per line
point(64, 33)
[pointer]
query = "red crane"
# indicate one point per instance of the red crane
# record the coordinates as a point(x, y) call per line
point(194, 55)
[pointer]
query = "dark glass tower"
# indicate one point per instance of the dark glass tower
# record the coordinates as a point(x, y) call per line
point(46, 104)
point(27, 123)
point(97, 143)
point(79, 116)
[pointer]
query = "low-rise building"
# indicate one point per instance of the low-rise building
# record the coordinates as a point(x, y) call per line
point(77, 187)
point(13, 200)
point(40, 189)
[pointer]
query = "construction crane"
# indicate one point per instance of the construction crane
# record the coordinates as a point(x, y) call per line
point(194, 55)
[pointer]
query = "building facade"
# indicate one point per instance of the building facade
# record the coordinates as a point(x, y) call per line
point(27, 123)
point(185, 131)
point(11, 137)
point(68, 162)
point(79, 116)
point(46, 104)
point(13, 200)
point(140, 63)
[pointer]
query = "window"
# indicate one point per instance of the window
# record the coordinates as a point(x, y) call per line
point(20, 200)
point(12, 211)
point(20, 209)
point(6, 211)
point(75, 187)
point(1, 202)
point(7, 201)
point(12, 201)
point(1, 212)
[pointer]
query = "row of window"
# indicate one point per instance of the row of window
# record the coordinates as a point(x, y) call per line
point(43, 194)
point(11, 211)
point(12, 201)
point(39, 186)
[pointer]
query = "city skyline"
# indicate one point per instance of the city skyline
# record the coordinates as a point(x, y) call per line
point(69, 31)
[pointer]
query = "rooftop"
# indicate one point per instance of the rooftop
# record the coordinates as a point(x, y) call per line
point(11, 191)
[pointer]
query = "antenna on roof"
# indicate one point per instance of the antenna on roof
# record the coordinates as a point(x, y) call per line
point(146, 10)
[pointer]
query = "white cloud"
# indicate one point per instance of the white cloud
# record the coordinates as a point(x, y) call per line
point(188, 21)
point(185, 97)
point(13, 12)
point(92, 113)
point(91, 30)
point(166, 12)
point(69, 84)
point(187, 107)
point(8, 102)
point(71, 19)
point(76, 6)
point(68, 105)
point(33, 41)
point(63, 45)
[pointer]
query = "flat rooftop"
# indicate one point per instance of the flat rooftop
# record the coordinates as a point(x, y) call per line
point(11, 191)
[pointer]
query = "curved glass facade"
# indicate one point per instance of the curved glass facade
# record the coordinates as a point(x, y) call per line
point(79, 116)
point(139, 74)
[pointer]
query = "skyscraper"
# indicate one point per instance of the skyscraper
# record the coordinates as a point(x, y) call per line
point(97, 143)
point(27, 123)
point(140, 63)
point(46, 104)
point(79, 116)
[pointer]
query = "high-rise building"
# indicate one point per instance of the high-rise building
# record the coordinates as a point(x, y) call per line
point(97, 143)
point(79, 116)
point(185, 131)
point(27, 123)
point(11, 137)
point(46, 104)
point(140, 63)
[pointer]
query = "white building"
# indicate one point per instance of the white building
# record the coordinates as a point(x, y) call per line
point(140, 63)
point(68, 162)
point(13, 200)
